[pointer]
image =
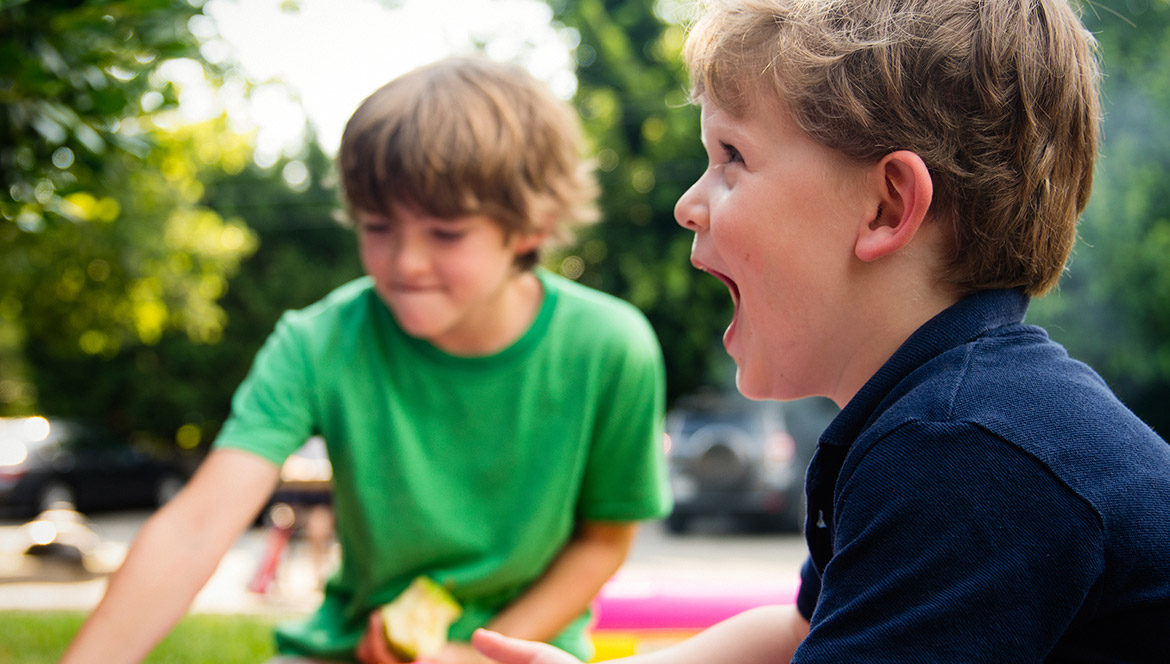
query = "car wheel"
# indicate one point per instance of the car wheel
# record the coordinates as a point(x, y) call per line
point(56, 495)
point(677, 523)
point(168, 487)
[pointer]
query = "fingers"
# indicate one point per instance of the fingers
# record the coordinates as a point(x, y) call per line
point(516, 651)
point(457, 653)
point(373, 649)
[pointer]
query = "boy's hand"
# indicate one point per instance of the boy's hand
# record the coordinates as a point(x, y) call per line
point(373, 649)
point(457, 653)
point(507, 650)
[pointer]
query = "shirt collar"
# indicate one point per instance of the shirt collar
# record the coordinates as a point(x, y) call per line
point(967, 319)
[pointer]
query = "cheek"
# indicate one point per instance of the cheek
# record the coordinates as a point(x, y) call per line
point(372, 256)
point(757, 257)
point(365, 254)
point(472, 266)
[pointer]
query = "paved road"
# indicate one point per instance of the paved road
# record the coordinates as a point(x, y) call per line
point(712, 554)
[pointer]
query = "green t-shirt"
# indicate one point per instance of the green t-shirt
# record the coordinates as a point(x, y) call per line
point(470, 470)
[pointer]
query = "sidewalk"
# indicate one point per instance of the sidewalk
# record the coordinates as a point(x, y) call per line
point(42, 583)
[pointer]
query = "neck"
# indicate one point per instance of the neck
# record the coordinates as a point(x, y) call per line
point(891, 316)
point(500, 323)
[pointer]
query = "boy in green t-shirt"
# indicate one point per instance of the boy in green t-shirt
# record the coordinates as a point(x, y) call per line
point(490, 425)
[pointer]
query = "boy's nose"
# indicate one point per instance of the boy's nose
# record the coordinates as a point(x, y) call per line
point(410, 256)
point(691, 209)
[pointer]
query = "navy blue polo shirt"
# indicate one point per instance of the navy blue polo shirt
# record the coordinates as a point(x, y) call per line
point(986, 498)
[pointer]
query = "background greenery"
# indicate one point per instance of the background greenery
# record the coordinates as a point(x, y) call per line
point(143, 260)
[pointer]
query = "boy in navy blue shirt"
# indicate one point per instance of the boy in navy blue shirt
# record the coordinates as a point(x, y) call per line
point(888, 185)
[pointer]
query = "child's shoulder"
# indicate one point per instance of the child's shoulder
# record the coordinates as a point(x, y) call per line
point(345, 308)
point(578, 300)
point(586, 311)
point(338, 301)
point(1018, 384)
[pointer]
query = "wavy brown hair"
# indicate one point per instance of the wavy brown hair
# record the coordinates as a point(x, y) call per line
point(464, 136)
point(998, 97)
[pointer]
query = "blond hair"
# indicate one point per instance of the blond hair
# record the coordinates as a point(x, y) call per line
point(465, 136)
point(998, 97)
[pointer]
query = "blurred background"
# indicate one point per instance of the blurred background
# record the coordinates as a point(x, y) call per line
point(167, 189)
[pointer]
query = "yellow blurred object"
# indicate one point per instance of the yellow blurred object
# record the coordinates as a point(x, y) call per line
point(416, 622)
point(614, 645)
point(617, 643)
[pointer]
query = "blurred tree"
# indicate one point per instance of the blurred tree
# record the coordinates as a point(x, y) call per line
point(1113, 307)
point(304, 253)
point(632, 96)
point(104, 244)
point(179, 389)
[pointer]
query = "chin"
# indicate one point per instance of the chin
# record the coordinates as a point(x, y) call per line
point(751, 389)
point(763, 388)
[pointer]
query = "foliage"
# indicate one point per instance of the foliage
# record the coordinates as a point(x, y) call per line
point(304, 253)
point(178, 388)
point(126, 289)
point(104, 244)
point(1113, 307)
point(632, 96)
point(28, 637)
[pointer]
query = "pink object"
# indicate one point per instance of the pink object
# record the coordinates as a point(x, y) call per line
point(640, 601)
point(266, 570)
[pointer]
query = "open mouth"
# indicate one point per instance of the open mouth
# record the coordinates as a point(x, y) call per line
point(731, 287)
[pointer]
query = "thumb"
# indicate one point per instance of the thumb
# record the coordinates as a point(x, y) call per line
point(507, 650)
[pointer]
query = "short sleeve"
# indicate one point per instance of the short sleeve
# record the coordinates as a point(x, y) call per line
point(271, 412)
point(625, 477)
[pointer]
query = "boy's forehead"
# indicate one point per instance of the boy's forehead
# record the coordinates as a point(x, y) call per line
point(713, 117)
point(399, 212)
point(716, 118)
point(393, 209)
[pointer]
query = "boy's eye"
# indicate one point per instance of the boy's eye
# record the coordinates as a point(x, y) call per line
point(731, 153)
point(447, 234)
point(375, 228)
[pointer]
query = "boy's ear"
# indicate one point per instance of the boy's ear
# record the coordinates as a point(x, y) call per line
point(904, 198)
point(529, 242)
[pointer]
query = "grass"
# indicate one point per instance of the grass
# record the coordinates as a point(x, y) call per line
point(40, 637)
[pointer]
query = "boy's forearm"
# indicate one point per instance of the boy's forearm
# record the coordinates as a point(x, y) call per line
point(570, 583)
point(173, 556)
point(160, 577)
point(765, 635)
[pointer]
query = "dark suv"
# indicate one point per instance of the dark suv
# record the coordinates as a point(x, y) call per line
point(733, 456)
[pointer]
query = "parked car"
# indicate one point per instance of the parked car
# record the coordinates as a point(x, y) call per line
point(47, 463)
point(745, 459)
